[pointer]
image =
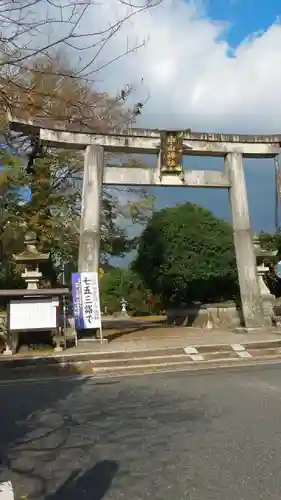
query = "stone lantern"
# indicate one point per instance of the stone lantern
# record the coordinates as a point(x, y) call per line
point(268, 298)
point(31, 259)
point(124, 305)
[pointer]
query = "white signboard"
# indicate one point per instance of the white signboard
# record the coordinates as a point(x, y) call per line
point(33, 314)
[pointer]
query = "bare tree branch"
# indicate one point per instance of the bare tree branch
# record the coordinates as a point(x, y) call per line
point(38, 36)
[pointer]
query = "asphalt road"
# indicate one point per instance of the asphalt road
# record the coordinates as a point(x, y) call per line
point(207, 436)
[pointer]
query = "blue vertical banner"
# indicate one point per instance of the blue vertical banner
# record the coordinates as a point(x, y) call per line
point(86, 300)
point(77, 301)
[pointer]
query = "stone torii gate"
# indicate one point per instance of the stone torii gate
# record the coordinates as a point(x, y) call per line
point(232, 147)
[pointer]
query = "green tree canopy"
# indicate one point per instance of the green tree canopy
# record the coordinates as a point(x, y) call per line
point(53, 210)
point(54, 176)
point(186, 254)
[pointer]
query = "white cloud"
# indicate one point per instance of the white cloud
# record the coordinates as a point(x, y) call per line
point(193, 77)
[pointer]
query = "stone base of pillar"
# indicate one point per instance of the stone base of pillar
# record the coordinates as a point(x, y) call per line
point(58, 348)
point(7, 351)
point(244, 329)
point(268, 302)
point(269, 329)
point(12, 344)
point(98, 334)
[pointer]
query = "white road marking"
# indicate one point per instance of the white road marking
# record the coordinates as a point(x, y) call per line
point(240, 351)
point(237, 347)
point(193, 353)
point(197, 357)
point(244, 354)
point(6, 491)
point(190, 350)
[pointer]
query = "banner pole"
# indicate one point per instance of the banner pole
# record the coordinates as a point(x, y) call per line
point(277, 193)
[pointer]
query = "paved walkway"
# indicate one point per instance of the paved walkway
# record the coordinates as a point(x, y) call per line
point(159, 337)
point(154, 337)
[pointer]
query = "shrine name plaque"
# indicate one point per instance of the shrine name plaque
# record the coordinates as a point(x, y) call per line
point(171, 152)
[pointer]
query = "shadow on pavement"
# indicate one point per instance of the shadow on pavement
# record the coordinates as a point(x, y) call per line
point(21, 404)
point(91, 485)
point(127, 331)
point(55, 438)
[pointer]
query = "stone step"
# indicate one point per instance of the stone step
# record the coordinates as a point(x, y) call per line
point(19, 360)
point(87, 369)
point(117, 357)
point(118, 362)
point(102, 363)
point(139, 366)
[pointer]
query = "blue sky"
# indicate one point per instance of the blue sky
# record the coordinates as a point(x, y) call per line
point(212, 65)
point(260, 185)
point(243, 18)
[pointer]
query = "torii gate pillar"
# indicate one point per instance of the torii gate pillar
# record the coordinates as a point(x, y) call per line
point(89, 245)
point(245, 256)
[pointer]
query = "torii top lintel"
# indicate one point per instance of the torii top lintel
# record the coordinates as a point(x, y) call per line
point(147, 141)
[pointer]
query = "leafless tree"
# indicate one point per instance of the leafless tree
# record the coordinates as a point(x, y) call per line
point(34, 34)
